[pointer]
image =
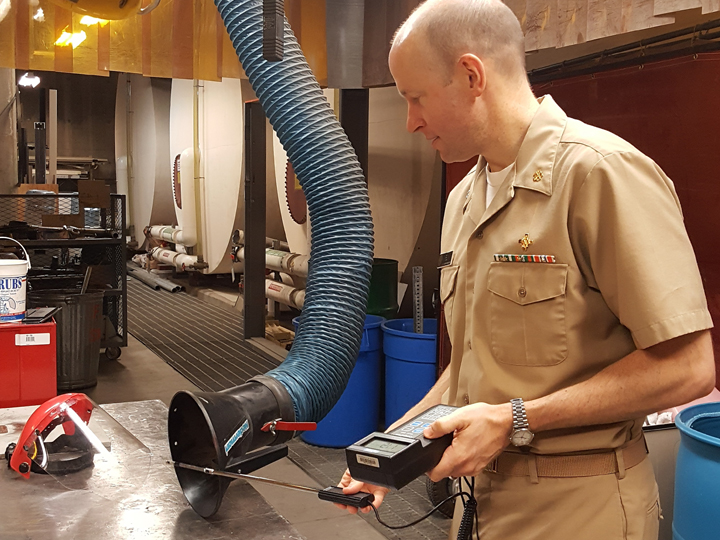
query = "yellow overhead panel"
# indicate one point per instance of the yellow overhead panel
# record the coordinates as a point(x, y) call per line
point(182, 39)
point(85, 51)
point(126, 45)
point(307, 19)
point(208, 28)
point(161, 40)
point(42, 37)
point(7, 37)
point(102, 9)
point(231, 67)
point(63, 54)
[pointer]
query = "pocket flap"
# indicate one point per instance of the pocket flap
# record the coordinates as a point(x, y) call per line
point(526, 283)
point(448, 279)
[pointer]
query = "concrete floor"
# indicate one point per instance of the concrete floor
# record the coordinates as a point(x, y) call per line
point(139, 374)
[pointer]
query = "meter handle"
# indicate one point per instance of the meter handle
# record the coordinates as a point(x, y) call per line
point(336, 495)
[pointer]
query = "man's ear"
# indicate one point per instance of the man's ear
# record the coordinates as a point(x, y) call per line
point(472, 71)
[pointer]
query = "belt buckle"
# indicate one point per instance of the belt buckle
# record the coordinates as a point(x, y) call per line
point(492, 466)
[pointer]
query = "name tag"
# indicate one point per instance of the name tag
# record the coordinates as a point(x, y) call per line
point(445, 259)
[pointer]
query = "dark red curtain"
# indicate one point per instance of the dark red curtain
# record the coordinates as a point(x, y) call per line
point(669, 110)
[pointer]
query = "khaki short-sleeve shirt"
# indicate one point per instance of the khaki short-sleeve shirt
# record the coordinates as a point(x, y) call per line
point(581, 258)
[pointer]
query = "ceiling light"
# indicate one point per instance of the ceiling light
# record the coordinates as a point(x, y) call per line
point(4, 9)
point(68, 38)
point(87, 20)
point(29, 80)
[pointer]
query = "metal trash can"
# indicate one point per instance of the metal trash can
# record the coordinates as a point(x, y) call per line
point(79, 332)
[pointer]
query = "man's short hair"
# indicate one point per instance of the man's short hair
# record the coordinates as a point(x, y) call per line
point(487, 28)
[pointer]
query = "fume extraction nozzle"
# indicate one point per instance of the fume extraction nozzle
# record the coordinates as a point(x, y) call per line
point(224, 431)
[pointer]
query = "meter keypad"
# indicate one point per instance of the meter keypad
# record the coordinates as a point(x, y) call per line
point(415, 427)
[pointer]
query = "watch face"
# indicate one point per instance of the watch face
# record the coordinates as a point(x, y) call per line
point(521, 437)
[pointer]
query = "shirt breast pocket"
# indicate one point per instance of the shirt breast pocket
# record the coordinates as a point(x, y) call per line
point(527, 313)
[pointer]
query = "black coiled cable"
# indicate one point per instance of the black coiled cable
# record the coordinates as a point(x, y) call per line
point(468, 518)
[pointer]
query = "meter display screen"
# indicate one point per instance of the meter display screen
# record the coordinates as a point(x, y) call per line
point(386, 446)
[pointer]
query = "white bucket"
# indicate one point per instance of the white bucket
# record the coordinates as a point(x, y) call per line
point(13, 279)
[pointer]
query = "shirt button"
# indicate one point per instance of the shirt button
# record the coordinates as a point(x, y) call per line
point(469, 345)
point(466, 399)
point(522, 292)
point(480, 234)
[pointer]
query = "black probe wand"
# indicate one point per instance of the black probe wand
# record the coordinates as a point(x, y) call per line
point(332, 494)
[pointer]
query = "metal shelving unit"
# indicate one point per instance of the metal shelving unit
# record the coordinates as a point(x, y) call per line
point(60, 256)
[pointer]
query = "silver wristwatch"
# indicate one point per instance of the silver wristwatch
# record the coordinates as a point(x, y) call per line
point(521, 434)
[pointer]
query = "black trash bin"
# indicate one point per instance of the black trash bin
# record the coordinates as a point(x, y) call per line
point(79, 332)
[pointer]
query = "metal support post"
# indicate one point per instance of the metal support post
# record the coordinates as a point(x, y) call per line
point(354, 107)
point(40, 161)
point(255, 172)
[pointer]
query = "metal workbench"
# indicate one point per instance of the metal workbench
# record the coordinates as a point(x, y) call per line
point(41, 508)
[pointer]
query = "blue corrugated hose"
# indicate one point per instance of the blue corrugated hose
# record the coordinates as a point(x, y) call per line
point(322, 358)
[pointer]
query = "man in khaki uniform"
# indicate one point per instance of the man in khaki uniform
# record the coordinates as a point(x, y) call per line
point(569, 285)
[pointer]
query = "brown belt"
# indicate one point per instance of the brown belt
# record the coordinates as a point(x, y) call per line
point(564, 466)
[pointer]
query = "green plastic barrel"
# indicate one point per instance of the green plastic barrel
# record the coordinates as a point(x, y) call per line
point(382, 300)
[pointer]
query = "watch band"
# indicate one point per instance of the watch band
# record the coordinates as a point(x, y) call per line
point(518, 414)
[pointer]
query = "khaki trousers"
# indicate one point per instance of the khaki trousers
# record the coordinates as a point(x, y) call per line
point(604, 507)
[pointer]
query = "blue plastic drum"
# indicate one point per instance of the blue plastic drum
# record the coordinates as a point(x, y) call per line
point(357, 412)
point(410, 365)
point(697, 475)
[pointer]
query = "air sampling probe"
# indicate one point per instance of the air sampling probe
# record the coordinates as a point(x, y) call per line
point(332, 494)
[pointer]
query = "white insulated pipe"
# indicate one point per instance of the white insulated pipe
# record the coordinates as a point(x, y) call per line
point(167, 233)
point(238, 239)
point(181, 261)
point(281, 261)
point(285, 294)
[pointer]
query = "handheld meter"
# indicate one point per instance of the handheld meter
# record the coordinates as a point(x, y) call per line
point(395, 459)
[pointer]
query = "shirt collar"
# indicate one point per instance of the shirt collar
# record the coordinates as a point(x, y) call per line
point(534, 163)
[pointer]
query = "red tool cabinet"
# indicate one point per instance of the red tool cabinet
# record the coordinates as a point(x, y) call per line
point(27, 364)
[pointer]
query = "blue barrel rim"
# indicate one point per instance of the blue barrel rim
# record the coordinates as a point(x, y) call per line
point(686, 417)
point(402, 333)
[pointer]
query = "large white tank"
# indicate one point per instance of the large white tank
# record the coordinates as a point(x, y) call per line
point(142, 110)
point(222, 173)
point(401, 167)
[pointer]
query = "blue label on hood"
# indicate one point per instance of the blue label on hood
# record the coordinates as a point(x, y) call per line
point(236, 437)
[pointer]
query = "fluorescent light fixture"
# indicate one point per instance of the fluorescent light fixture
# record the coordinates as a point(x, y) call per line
point(4, 9)
point(71, 38)
point(87, 20)
point(29, 80)
point(39, 15)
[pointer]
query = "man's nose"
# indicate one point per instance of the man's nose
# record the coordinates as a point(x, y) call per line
point(414, 122)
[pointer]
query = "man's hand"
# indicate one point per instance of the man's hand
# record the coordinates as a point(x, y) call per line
point(351, 486)
point(482, 431)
